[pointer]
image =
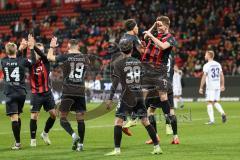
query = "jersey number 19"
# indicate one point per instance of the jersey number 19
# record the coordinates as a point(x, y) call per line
point(76, 70)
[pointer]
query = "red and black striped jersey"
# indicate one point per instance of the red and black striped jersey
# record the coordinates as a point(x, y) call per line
point(39, 74)
point(154, 55)
point(39, 77)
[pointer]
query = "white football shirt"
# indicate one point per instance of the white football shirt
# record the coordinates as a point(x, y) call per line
point(212, 69)
point(177, 76)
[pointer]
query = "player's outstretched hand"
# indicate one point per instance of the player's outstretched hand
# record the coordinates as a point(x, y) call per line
point(23, 44)
point(53, 43)
point(109, 104)
point(147, 33)
point(145, 36)
point(201, 91)
point(31, 41)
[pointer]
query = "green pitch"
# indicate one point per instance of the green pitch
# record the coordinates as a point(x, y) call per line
point(198, 141)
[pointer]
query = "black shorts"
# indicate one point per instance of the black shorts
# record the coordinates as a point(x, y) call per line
point(123, 110)
point(42, 99)
point(72, 103)
point(153, 101)
point(14, 104)
point(155, 78)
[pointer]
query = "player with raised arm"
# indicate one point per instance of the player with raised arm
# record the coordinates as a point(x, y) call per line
point(156, 59)
point(128, 71)
point(214, 79)
point(41, 92)
point(74, 66)
point(13, 67)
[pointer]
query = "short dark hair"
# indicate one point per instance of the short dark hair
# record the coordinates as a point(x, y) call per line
point(39, 44)
point(164, 19)
point(113, 48)
point(130, 24)
point(126, 46)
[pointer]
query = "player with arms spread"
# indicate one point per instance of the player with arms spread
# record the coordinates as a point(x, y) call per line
point(214, 79)
point(128, 72)
point(74, 66)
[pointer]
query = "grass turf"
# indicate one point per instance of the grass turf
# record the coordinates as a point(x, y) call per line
point(198, 141)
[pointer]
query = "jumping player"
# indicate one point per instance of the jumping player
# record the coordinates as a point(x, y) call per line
point(128, 71)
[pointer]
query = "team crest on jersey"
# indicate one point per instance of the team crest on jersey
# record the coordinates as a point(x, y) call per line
point(39, 70)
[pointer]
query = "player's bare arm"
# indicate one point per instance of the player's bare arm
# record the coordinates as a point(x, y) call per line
point(115, 81)
point(50, 55)
point(203, 81)
point(161, 45)
point(150, 30)
point(141, 48)
point(22, 49)
point(30, 45)
point(23, 44)
point(222, 82)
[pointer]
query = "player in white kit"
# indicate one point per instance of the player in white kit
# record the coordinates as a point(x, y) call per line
point(177, 87)
point(214, 78)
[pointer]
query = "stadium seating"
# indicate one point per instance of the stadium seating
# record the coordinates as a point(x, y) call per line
point(97, 22)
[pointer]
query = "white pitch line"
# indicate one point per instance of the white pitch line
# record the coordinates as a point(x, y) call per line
point(108, 125)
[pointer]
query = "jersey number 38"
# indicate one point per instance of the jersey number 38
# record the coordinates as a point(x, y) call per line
point(133, 74)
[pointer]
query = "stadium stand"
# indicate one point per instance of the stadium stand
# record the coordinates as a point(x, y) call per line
point(201, 25)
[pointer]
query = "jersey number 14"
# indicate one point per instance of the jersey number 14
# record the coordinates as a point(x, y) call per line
point(15, 76)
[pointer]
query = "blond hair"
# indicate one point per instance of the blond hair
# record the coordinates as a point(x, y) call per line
point(11, 48)
point(165, 20)
point(210, 53)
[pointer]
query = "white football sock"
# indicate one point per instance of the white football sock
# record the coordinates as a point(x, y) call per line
point(219, 108)
point(175, 101)
point(117, 149)
point(74, 135)
point(181, 101)
point(210, 112)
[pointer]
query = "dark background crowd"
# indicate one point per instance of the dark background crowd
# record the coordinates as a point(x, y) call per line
point(197, 26)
